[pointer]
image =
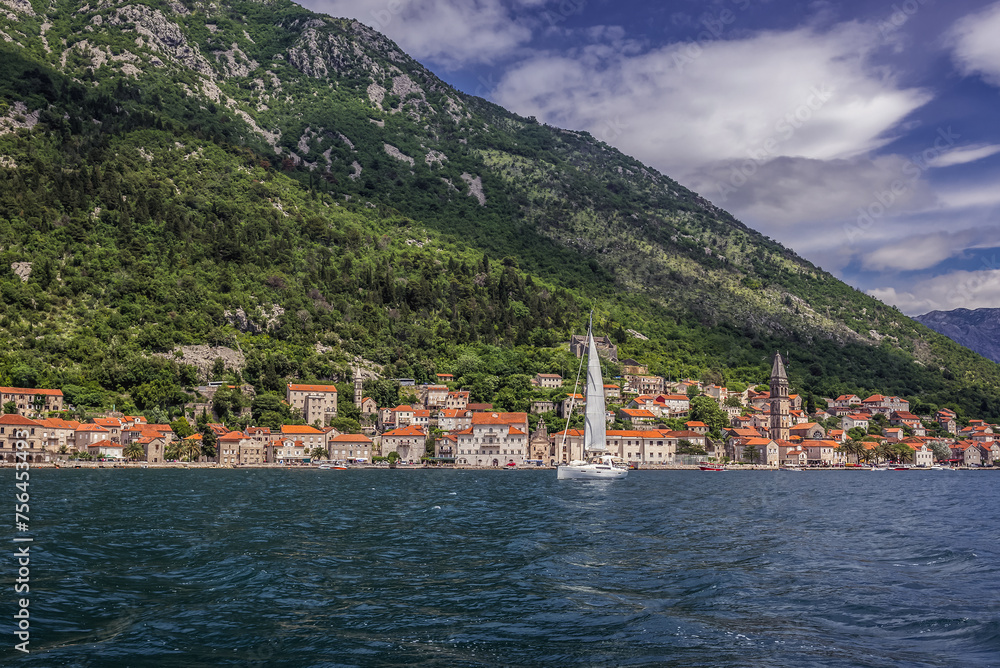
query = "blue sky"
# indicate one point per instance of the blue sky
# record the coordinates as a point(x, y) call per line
point(864, 135)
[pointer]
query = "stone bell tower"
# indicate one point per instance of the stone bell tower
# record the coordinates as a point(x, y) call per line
point(780, 403)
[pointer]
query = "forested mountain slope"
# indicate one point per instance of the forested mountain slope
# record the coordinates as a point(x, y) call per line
point(292, 185)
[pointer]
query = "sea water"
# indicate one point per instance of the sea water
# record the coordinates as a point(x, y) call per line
point(489, 568)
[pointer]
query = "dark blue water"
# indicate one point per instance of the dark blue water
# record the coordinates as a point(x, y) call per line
point(464, 568)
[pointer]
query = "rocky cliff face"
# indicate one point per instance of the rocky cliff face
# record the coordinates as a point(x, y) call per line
point(978, 330)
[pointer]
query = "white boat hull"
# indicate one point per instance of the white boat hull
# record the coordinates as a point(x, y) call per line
point(590, 472)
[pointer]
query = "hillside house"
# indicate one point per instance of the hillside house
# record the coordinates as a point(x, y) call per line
point(316, 403)
point(30, 401)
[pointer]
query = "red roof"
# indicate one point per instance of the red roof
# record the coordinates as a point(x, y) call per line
point(29, 390)
point(499, 418)
point(350, 438)
point(299, 429)
point(311, 388)
point(410, 430)
point(14, 419)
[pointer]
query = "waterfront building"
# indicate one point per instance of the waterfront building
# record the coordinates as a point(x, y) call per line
point(494, 439)
point(408, 442)
point(351, 447)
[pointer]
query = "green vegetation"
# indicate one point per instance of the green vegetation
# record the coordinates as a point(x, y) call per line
point(154, 216)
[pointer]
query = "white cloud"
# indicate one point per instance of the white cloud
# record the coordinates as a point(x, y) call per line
point(927, 250)
point(975, 46)
point(453, 33)
point(960, 289)
point(964, 154)
point(684, 106)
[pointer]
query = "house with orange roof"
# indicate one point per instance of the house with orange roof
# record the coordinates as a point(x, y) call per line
point(966, 453)
point(859, 420)
point(368, 406)
point(923, 455)
point(238, 449)
point(675, 404)
point(989, 452)
point(31, 401)
point(636, 416)
point(105, 449)
point(567, 445)
point(612, 391)
point(494, 439)
point(696, 425)
point(445, 447)
point(893, 434)
point(571, 404)
point(86, 434)
point(458, 400)
point(154, 448)
point(904, 419)
point(649, 447)
point(351, 448)
point(15, 428)
point(421, 418)
point(288, 451)
point(793, 456)
point(114, 427)
point(947, 419)
point(316, 403)
point(480, 408)
point(432, 396)
point(758, 450)
point(846, 401)
point(453, 419)
point(644, 384)
point(822, 452)
point(310, 436)
point(838, 435)
point(408, 442)
point(58, 434)
point(445, 377)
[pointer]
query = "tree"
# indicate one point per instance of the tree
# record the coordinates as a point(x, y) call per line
point(733, 401)
point(318, 453)
point(10, 408)
point(191, 449)
point(346, 425)
point(209, 442)
point(181, 427)
point(393, 457)
point(705, 409)
point(134, 451)
point(941, 451)
point(686, 447)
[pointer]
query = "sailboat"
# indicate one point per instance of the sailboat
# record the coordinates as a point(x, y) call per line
point(601, 465)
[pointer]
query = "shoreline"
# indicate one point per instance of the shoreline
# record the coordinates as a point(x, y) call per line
point(417, 467)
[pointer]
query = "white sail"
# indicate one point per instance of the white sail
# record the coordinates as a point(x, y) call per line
point(594, 430)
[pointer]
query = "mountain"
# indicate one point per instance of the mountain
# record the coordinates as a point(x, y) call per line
point(975, 329)
point(298, 192)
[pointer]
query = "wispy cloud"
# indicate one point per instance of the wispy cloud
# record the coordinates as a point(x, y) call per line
point(453, 33)
point(959, 289)
point(975, 44)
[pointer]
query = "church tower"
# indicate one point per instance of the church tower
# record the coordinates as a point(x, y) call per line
point(358, 390)
point(780, 418)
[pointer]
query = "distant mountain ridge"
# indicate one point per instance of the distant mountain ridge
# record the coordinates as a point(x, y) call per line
point(977, 329)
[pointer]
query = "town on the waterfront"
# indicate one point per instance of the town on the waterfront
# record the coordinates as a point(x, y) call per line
point(664, 424)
